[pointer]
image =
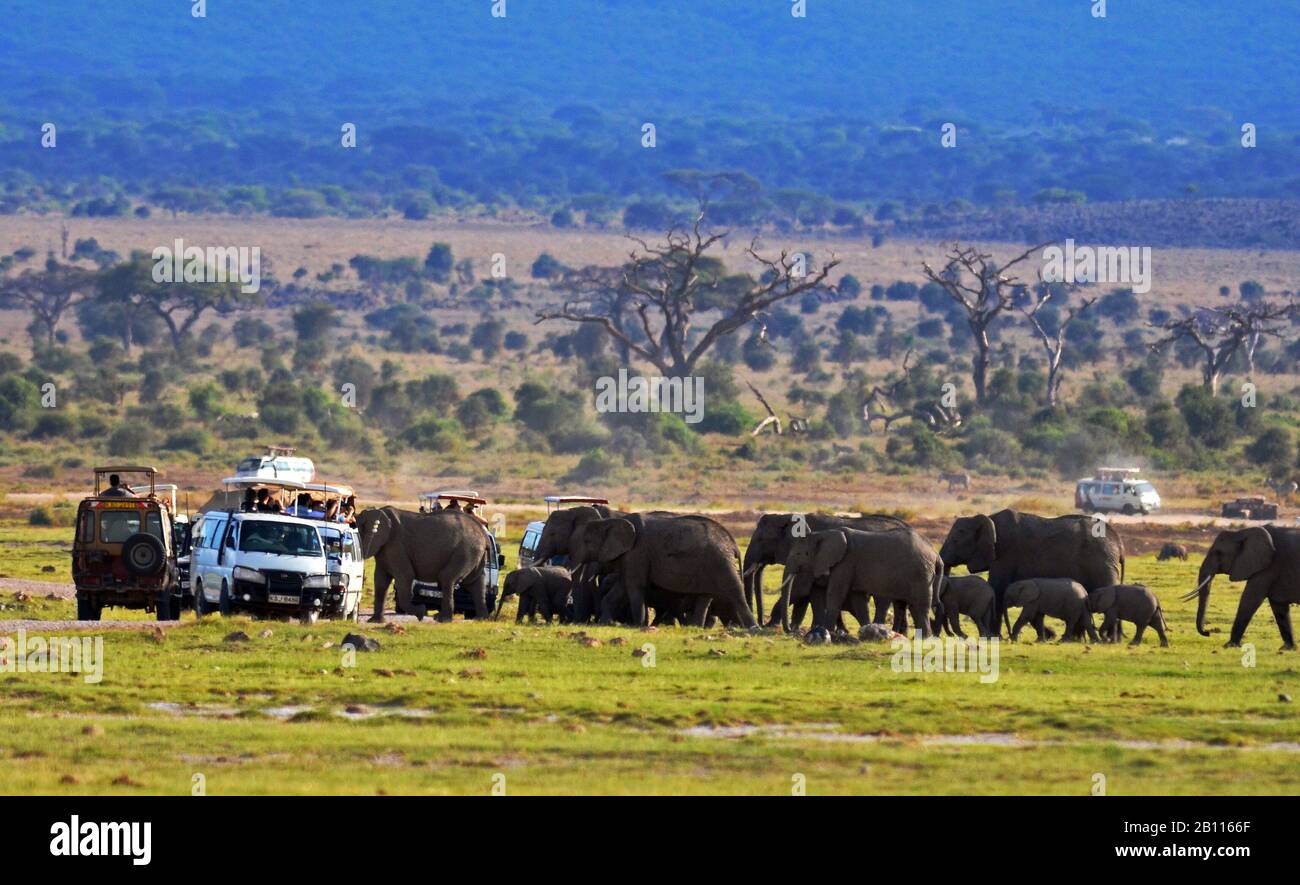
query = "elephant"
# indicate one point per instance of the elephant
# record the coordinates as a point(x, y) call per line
point(545, 590)
point(1128, 602)
point(972, 596)
point(1051, 597)
point(1172, 551)
point(770, 544)
point(1013, 546)
point(447, 547)
point(895, 565)
point(1267, 558)
point(690, 555)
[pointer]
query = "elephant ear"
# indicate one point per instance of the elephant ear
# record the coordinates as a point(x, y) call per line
point(1101, 600)
point(381, 528)
point(1028, 592)
point(831, 548)
point(619, 538)
point(1254, 554)
point(986, 542)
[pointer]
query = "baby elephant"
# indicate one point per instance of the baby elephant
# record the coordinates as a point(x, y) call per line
point(1051, 597)
point(1172, 551)
point(1128, 602)
point(545, 590)
point(968, 595)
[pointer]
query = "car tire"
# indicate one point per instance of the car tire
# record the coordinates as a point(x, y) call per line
point(163, 610)
point(309, 617)
point(88, 609)
point(143, 555)
point(224, 604)
point(200, 603)
point(1128, 510)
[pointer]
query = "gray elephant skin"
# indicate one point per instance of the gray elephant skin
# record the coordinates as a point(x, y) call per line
point(691, 555)
point(1054, 598)
point(890, 566)
point(1267, 558)
point(1013, 546)
point(542, 590)
point(448, 547)
point(770, 544)
point(589, 584)
point(968, 595)
point(1134, 603)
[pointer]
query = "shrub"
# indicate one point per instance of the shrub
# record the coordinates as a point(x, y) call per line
point(189, 439)
point(730, 418)
point(54, 425)
point(596, 464)
point(133, 438)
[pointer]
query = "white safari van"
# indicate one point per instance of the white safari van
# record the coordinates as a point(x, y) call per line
point(1116, 490)
point(273, 563)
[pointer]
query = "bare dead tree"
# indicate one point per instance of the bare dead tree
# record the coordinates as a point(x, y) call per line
point(984, 291)
point(880, 405)
point(670, 284)
point(1053, 342)
point(1220, 332)
point(48, 293)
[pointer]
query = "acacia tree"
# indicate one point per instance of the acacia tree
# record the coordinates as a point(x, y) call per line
point(179, 305)
point(1221, 332)
point(662, 289)
point(984, 291)
point(47, 294)
point(1053, 341)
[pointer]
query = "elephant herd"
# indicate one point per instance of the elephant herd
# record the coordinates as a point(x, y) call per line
point(607, 566)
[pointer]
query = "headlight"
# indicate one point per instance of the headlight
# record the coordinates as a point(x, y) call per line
point(339, 579)
point(252, 575)
point(318, 582)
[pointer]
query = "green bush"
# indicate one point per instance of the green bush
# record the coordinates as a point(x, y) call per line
point(189, 439)
point(730, 418)
point(133, 438)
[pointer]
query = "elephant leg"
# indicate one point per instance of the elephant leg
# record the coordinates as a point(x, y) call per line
point(953, 617)
point(837, 591)
point(921, 615)
point(634, 587)
point(1251, 599)
point(882, 606)
point(382, 580)
point(1039, 627)
point(478, 594)
point(1282, 614)
point(1089, 628)
point(1020, 622)
point(700, 611)
point(1137, 634)
point(860, 606)
point(1158, 622)
point(900, 617)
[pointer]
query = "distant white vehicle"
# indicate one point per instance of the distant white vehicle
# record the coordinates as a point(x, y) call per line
point(1116, 490)
point(278, 463)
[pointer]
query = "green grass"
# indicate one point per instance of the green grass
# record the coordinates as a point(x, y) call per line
point(25, 550)
point(555, 716)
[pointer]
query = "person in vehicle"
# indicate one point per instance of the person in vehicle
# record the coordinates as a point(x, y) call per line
point(267, 504)
point(249, 504)
point(116, 489)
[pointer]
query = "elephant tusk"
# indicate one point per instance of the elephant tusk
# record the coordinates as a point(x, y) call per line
point(749, 571)
point(1189, 596)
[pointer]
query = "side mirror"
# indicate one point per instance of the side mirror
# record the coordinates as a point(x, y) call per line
point(501, 560)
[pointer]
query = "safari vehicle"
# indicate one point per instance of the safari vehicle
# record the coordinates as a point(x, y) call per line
point(429, 593)
point(1252, 507)
point(1116, 490)
point(278, 463)
point(269, 559)
point(533, 533)
point(123, 552)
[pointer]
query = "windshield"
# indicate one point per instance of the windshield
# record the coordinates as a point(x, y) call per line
point(1145, 488)
point(115, 526)
point(280, 538)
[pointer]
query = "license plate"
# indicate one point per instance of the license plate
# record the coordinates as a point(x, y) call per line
point(281, 599)
point(432, 594)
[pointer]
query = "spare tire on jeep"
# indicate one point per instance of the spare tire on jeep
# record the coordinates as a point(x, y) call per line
point(143, 555)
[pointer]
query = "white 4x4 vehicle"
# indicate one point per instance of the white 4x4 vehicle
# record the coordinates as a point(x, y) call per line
point(1116, 490)
point(274, 564)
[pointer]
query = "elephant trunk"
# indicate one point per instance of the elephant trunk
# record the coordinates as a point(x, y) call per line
point(753, 577)
point(785, 600)
point(1206, 575)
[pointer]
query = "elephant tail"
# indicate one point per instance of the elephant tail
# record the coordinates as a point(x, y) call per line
point(936, 587)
